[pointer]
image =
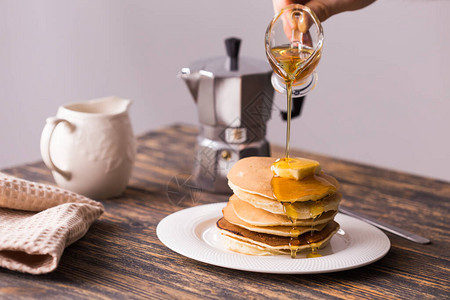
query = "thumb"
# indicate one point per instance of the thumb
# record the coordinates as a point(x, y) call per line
point(324, 11)
point(321, 10)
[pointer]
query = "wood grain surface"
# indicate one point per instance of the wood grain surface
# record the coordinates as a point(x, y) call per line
point(121, 257)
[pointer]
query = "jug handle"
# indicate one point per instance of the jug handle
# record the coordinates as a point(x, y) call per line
point(46, 138)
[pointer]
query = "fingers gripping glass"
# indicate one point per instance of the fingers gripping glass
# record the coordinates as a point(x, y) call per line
point(293, 43)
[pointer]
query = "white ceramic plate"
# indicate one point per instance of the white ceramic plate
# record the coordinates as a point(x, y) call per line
point(192, 232)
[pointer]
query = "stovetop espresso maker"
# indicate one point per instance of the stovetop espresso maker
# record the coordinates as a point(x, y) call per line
point(234, 97)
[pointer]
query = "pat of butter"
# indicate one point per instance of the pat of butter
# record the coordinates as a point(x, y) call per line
point(295, 168)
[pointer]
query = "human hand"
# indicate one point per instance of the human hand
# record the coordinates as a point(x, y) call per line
point(324, 8)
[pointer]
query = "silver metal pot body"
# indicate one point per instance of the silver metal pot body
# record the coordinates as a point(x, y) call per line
point(234, 106)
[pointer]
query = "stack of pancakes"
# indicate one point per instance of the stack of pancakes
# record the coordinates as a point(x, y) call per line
point(256, 222)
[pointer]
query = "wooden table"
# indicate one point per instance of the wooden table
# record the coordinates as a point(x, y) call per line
point(121, 256)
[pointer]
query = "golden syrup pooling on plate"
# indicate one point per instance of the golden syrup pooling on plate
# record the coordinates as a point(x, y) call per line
point(313, 253)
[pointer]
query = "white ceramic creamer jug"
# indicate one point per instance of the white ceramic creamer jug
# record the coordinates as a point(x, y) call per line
point(90, 147)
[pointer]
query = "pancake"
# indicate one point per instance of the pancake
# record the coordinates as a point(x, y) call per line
point(290, 231)
point(254, 243)
point(253, 175)
point(260, 217)
point(305, 210)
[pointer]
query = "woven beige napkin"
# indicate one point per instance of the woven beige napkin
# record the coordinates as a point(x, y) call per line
point(38, 221)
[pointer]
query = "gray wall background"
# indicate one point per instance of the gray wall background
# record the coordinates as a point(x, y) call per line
point(383, 96)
